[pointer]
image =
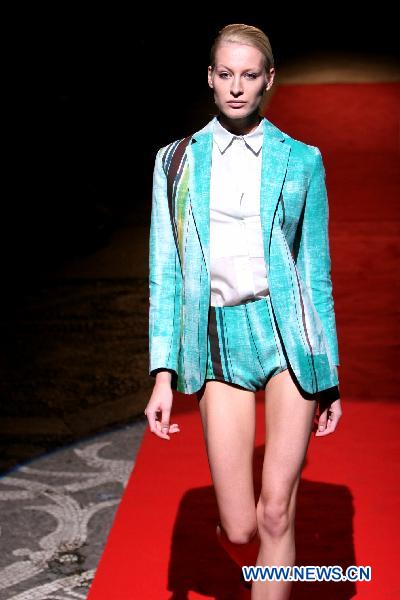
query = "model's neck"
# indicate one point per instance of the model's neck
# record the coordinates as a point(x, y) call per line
point(240, 126)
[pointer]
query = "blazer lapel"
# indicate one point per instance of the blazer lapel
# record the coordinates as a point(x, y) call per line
point(199, 158)
point(275, 156)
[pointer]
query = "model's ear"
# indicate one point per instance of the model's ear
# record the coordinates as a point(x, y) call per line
point(270, 79)
point(210, 83)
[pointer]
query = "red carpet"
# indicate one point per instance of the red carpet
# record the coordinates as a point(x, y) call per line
point(163, 543)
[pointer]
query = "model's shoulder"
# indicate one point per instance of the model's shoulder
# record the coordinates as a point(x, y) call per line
point(169, 149)
point(302, 153)
point(299, 149)
point(302, 148)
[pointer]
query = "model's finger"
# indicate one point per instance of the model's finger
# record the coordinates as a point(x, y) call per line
point(333, 417)
point(174, 428)
point(333, 420)
point(165, 416)
point(158, 431)
point(323, 420)
point(330, 427)
point(151, 416)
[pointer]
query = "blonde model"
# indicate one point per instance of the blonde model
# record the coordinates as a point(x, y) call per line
point(241, 299)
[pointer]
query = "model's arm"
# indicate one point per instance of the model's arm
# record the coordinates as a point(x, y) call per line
point(165, 282)
point(313, 259)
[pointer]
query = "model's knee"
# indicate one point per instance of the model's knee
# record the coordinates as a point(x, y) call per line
point(273, 517)
point(236, 534)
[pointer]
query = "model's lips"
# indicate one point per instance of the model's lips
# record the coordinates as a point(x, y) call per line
point(236, 102)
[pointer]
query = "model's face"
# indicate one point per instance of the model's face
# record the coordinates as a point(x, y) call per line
point(239, 79)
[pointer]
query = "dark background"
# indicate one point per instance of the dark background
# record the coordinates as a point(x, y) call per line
point(97, 93)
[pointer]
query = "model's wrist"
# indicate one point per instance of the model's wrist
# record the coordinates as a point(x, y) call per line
point(163, 377)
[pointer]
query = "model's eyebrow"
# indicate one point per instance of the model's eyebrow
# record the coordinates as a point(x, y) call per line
point(228, 69)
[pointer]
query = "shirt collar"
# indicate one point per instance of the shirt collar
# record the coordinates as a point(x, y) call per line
point(224, 138)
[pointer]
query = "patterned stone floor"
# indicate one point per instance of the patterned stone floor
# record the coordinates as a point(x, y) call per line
point(56, 512)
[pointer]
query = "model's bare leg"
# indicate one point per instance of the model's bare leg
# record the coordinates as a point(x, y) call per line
point(289, 420)
point(228, 418)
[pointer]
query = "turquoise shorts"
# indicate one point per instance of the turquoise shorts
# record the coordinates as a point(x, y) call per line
point(243, 344)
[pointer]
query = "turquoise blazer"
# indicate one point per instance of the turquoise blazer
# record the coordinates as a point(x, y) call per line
point(294, 215)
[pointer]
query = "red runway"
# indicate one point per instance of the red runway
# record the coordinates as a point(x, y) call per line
point(163, 543)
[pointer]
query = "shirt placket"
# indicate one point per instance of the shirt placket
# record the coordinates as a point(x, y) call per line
point(243, 264)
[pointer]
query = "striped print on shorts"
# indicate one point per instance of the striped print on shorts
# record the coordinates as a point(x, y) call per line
point(243, 344)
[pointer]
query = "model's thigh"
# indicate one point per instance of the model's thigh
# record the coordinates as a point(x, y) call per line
point(289, 419)
point(228, 418)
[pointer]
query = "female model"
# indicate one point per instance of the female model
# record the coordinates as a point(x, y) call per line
point(241, 299)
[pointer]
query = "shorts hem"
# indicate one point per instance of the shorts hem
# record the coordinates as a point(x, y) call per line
point(234, 383)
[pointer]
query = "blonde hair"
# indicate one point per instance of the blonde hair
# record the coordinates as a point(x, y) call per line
point(244, 34)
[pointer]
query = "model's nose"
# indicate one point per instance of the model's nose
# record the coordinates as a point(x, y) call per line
point(236, 87)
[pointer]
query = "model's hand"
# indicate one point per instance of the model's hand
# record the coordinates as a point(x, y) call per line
point(161, 401)
point(329, 418)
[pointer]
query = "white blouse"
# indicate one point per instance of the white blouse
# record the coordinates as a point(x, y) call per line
point(237, 264)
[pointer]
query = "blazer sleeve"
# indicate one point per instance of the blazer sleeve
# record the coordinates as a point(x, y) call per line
point(165, 281)
point(313, 259)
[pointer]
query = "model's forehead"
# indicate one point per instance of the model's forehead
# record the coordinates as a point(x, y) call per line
point(233, 53)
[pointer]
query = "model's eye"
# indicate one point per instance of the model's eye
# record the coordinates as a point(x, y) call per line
point(223, 75)
point(251, 75)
